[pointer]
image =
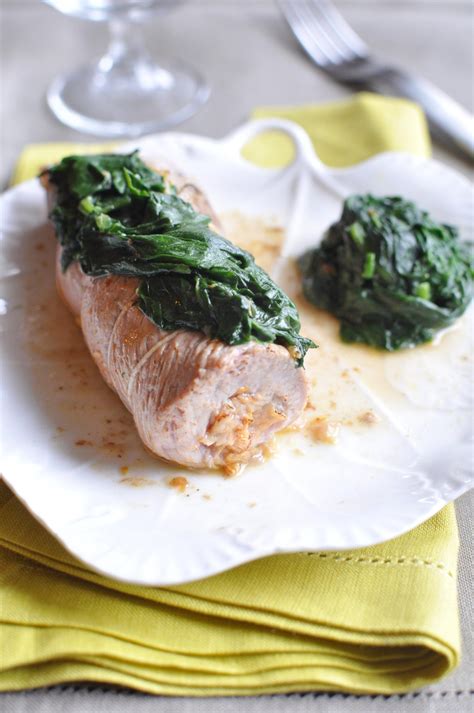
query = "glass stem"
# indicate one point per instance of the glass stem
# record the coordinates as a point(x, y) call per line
point(127, 61)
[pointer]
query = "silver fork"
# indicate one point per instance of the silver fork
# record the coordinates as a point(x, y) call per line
point(334, 47)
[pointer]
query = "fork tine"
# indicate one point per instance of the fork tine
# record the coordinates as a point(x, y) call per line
point(301, 19)
point(329, 41)
point(322, 31)
point(300, 30)
point(341, 28)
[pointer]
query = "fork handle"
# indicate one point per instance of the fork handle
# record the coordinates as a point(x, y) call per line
point(449, 122)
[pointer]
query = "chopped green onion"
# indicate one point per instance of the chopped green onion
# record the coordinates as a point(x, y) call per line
point(424, 291)
point(357, 233)
point(87, 205)
point(103, 221)
point(375, 218)
point(369, 266)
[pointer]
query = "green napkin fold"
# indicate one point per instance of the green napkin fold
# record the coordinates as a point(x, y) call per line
point(381, 619)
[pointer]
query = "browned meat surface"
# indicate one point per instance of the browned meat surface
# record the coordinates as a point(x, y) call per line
point(195, 401)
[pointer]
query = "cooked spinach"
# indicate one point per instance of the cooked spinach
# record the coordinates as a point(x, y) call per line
point(392, 274)
point(116, 216)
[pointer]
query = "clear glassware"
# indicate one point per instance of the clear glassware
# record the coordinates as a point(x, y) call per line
point(126, 92)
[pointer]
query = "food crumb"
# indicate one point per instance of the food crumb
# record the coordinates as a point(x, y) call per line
point(298, 452)
point(136, 482)
point(323, 430)
point(252, 505)
point(59, 429)
point(83, 442)
point(207, 497)
point(124, 469)
point(179, 482)
point(368, 417)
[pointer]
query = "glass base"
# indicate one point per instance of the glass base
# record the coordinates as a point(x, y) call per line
point(106, 101)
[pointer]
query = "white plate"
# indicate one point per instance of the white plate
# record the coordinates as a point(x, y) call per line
point(72, 455)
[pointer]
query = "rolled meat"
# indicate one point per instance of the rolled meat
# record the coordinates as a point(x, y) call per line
point(195, 401)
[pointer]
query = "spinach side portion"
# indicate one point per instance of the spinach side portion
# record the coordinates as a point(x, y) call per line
point(389, 272)
point(114, 215)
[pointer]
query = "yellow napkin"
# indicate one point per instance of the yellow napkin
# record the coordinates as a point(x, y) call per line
point(346, 132)
point(376, 620)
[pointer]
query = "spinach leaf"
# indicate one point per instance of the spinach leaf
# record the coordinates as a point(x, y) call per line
point(392, 274)
point(116, 216)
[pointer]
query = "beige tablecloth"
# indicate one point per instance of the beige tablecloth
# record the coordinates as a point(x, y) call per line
point(245, 40)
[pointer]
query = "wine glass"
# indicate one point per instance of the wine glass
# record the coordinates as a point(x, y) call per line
point(126, 92)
